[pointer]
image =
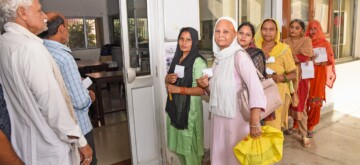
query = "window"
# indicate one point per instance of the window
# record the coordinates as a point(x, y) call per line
point(336, 18)
point(83, 33)
point(322, 13)
point(240, 10)
point(116, 32)
point(307, 10)
point(252, 11)
point(138, 32)
point(300, 10)
point(342, 28)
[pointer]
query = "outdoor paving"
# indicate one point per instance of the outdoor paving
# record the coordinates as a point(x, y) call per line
point(336, 142)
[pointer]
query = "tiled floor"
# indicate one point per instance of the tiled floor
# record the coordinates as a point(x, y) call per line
point(112, 140)
point(125, 162)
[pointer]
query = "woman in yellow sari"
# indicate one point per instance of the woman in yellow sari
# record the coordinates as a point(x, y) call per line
point(280, 66)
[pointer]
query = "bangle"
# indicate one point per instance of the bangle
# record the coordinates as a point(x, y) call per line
point(255, 126)
point(183, 90)
point(285, 78)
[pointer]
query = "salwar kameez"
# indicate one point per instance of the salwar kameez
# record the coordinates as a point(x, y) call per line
point(188, 143)
point(324, 75)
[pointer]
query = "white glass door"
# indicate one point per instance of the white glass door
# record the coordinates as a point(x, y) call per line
point(139, 78)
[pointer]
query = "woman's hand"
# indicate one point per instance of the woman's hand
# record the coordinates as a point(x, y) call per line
point(171, 78)
point(203, 82)
point(172, 88)
point(255, 127)
point(278, 78)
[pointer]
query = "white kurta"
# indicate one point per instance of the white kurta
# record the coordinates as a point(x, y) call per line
point(39, 116)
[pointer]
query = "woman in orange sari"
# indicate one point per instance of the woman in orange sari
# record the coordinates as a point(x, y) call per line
point(324, 75)
point(302, 50)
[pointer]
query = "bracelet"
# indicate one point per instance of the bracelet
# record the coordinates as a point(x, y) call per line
point(183, 90)
point(255, 126)
point(285, 78)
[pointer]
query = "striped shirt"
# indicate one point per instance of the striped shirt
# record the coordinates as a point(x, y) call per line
point(79, 95)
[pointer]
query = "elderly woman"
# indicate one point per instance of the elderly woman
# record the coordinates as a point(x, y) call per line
point(231, 66)
point(281, 67)
point(324, 75)
point(185, 135)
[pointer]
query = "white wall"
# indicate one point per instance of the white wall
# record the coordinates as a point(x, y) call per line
point(174, 22)
point(344, 94)
point(357, 30)
point(113, 7)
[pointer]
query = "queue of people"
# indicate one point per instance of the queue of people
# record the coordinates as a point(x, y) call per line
point(45, 116)
point(301, 97)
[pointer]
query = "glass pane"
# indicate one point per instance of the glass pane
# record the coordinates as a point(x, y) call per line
point(76, 33)
point(210, 11)
point(250, 10)
point(116, 32)
point(91, 33)
point(300, 10)
point(138, 36)
point(342, 28)
point(322, 13)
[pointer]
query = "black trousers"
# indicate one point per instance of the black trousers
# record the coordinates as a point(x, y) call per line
point(90, 139)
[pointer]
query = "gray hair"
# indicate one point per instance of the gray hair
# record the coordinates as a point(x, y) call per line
point(8, 9)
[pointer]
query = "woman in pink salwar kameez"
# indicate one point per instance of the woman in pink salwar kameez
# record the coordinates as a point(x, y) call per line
point(231, 66)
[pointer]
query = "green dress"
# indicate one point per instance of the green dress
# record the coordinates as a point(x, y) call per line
point(188, 144)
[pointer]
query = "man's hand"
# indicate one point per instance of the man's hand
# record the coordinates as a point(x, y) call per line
point(86, 155)
point(92, 95)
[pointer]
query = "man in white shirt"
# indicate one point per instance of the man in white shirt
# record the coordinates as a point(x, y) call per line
point(44, 129)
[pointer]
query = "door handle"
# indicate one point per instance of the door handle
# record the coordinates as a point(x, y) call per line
point(131, 74)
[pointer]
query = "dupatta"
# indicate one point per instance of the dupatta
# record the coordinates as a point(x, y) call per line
point(319, 40)
point(279, 49)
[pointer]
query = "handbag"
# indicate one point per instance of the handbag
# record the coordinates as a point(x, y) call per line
point(271, 92)
point(267, 149)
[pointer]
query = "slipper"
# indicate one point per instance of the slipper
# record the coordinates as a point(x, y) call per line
point(310, 134)
point(306, 142)
point(291, 131)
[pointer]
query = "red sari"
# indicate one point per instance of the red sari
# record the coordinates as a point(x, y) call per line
point(324, 75)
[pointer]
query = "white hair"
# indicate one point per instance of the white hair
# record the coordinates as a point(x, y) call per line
point(8, 9)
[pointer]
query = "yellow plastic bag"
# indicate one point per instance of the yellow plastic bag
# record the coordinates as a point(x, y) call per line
point(265, 150)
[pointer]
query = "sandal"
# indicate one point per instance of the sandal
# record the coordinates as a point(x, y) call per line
point(291, 131)
point(306, 142)
point(310, 134)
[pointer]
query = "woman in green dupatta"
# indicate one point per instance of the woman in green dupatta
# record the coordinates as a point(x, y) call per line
point(185, 135)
